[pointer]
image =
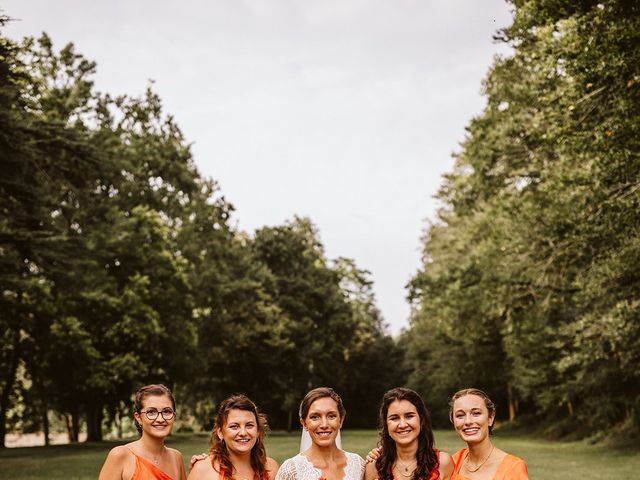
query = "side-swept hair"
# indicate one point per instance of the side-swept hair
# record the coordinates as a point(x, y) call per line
point(219, 451)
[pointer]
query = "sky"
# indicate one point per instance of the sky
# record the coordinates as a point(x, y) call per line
point(343, 111)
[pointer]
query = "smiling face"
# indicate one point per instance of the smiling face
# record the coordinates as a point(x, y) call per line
point(240, 431)
point(159, 427)
point(403, 422)
point(471, 418)
point(323, 421)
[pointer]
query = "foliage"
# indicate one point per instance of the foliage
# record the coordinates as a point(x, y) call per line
point(120, 267)
point(529, 282)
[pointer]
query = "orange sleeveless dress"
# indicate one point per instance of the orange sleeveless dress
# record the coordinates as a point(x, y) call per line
point(223, 474)
point(511, 467)
point(434, 475)
point(145, 470)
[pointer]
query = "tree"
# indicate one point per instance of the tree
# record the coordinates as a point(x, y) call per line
point(538, 214)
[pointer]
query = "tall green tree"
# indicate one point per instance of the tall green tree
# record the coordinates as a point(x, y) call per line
point(538, 216)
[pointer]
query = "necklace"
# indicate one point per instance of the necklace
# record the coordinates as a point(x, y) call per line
point(406, 473)
point(156, 458)
point(481, 463)
point(243, 476)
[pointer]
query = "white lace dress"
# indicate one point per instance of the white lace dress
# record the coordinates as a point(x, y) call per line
point(300, 468)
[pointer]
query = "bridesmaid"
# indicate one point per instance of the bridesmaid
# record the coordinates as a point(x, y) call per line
point(237, 445)
point(147, 458)
point(406, 450)
point(472, 413)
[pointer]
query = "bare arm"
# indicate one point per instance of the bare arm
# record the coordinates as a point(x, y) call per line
point(179, 462)
point(197, 458)
point(203, 470)
point(446, 466)
point(272, 468)
point(370, 472)
point(114, 465)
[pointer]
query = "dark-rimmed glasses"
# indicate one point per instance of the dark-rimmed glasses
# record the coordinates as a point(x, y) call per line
point(152, 413)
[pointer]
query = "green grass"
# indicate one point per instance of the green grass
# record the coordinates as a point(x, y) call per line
point(546, 460)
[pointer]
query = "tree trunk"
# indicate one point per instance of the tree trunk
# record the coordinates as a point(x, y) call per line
point(73, 425)
point(67, 422)
point(9, 381)
point(94, 422)
point(513, 406)
point(45, 425)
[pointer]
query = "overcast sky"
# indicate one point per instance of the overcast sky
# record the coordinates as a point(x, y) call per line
point(345, 111)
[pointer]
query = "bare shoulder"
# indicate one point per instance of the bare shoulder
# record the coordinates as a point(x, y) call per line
point(118, 464)
point(120, 452)
point(446, 460)
point(272, 468)
point(175, 454)
point(178, 462)
point(370, 471)
point(203, 470)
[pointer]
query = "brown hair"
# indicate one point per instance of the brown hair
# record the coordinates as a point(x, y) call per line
point(491, 407)
point(155, 389)
point(219, 451)
point(426, 455)
point(316, 394)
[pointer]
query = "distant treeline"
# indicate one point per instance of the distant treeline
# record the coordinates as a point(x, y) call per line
point(530, 283)
point(120, 267)
point(119, 264)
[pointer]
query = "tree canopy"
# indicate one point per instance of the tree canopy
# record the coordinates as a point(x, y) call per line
point(120, 267)
point(529, 285)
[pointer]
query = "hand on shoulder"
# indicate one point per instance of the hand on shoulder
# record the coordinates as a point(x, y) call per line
point(203, 470)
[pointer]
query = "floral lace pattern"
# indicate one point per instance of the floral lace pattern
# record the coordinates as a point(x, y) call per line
point(300, 468)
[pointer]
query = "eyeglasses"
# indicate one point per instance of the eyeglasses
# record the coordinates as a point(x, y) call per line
point(152, 413)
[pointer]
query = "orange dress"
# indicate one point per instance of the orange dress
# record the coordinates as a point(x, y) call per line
point(435, 474)
point(223, 473)
point(145, 470)
point(510, 468)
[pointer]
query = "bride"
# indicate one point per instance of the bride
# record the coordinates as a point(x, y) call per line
point(321, 415)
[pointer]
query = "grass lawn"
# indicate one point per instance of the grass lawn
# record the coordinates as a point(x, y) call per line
point(546, 460)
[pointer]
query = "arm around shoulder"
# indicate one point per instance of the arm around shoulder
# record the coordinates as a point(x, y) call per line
point(203, 470)
point(272, 468)
point(370, 472)
point(446, 466)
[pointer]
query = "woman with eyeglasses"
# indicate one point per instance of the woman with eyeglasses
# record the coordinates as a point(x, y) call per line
point(148, 458)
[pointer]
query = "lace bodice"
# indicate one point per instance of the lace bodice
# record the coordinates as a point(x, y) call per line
point(300, 468)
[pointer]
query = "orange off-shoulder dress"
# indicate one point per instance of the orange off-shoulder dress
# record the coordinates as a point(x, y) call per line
point(511, 467)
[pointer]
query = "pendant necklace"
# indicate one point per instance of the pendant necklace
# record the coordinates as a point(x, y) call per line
point(481, 463)
point(156, 458)
point(406, 473)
